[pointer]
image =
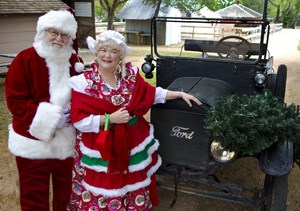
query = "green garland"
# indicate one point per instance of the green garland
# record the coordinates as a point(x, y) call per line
point(250, 124)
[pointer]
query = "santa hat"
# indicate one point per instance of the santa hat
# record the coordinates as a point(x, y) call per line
point(75, 41)
point(62, 20)
point(79, 66)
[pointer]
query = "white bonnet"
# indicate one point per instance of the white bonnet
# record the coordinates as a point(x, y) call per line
point(112, 35)
point(62, 20)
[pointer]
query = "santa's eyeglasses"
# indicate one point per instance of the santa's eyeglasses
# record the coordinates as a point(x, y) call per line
point(55, 33)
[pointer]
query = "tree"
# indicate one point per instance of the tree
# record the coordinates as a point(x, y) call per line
point(282, 8)
point(289, 20)
point(100, 13)
point(186, 7)
point(111, 7)
point(225, 3)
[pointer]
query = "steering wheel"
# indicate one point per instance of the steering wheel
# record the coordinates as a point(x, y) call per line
point(235, 48)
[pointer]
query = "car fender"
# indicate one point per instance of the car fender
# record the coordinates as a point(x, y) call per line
point(277, 160)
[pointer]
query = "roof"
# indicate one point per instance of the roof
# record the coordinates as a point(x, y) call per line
point(207, 13)
point(144, 11)
point(30, 6)
point(238, 11)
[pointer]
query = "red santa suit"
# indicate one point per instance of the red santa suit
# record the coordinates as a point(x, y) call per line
point(37, 94)
point(36, 112)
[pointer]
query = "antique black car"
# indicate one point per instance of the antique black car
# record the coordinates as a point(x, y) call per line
point(215, 57)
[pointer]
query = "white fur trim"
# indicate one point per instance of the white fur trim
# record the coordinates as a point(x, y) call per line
point(96, 154)
point(145, 142)
point(131, 168)
point(60, 91)
point(128, 188)
point(45, 121)
point(89, 152)
point(79, 67)
point(95, 168)
point(60, 147)
point(62, 20)
point(146, 162)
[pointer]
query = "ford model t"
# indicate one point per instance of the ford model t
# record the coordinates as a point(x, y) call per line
point(215, 57)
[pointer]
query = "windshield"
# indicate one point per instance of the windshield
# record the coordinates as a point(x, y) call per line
point(234, 33)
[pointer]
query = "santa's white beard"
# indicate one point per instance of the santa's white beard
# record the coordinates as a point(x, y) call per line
point(57, 61)
point(51, 53)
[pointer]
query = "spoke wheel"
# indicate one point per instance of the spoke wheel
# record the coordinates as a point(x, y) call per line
point(276, 188)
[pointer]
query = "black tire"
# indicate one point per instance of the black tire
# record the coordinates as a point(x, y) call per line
point(275, 197)
point(281, 81)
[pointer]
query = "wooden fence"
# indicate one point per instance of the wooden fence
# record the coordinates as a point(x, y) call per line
point(189, 31)
point(201, 31)
point(102, 26)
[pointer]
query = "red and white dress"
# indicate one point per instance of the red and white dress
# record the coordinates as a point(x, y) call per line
point(101, 183)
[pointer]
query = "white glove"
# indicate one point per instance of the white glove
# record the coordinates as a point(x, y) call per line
point(65, 119)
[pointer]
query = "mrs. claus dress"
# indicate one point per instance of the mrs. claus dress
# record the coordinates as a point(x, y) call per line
point(116, 173)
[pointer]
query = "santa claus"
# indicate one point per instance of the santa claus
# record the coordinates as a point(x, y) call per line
point(38, 96)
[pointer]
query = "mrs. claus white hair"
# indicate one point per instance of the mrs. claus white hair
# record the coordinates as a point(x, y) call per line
point(109, 38)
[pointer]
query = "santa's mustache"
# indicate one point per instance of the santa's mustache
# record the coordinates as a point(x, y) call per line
point(57, 43)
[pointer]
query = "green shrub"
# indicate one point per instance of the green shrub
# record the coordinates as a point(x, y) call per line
point(250, 124)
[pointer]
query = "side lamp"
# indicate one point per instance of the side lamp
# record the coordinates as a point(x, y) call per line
point(148, 67)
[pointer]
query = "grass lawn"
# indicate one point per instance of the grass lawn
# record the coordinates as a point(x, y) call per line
point(5, 116)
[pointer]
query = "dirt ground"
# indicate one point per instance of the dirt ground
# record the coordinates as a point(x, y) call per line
point(283, 47)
